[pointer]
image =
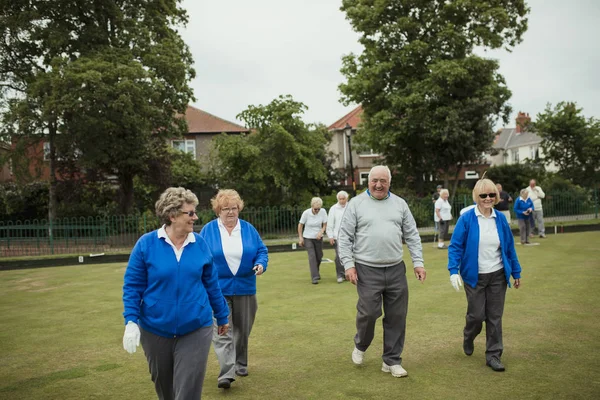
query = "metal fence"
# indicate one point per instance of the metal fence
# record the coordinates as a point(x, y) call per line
point(119, 233)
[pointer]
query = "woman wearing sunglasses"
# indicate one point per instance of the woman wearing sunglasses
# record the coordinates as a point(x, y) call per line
point(482, 251)
point(171, 293)
point(239, 255)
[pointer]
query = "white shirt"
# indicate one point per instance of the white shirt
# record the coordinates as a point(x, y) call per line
point(536, 195)
point(162, 233)
point(232, 245)
point(334, 220)
point(445, 210)
point(313, 223)
point(490, 257)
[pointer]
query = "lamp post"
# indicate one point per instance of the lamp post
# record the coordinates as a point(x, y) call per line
point(348, 133)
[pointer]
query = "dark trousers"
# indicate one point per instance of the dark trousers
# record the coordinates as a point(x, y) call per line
point(377, 286)
point(485, 302)
point(314, 248)
point(177, 365)
point(232, 348)
point(339, 268)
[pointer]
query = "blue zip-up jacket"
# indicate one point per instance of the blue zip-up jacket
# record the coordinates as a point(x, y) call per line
point(522, 205)
point(171, 298)
point(463, 252)
point(254, 252)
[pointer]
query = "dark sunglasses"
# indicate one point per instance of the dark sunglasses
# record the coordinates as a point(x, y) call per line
point(490, 195)
point(189, 213)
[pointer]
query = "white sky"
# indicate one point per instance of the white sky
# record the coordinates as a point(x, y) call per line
point(250, 52)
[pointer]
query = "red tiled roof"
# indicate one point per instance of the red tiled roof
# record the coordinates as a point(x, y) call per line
point(202, 122)
point(352, 119)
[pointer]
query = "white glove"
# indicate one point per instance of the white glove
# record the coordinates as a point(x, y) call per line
point(455, 281)
point(131, 338)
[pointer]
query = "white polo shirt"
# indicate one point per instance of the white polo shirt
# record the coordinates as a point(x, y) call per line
point(490, 257)
point(232, 245)
point(313, 223)
point(445, 210)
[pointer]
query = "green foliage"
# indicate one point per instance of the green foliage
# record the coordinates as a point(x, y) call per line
point(514, 177)
point(565, 198)
point(283, 161)
point(23, 202)
point(570, 141)
point(429, 104)
point(98, 81)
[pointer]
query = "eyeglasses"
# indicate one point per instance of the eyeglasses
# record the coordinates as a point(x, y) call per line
point(490, 195)
point(189, 213)
point(227, 210)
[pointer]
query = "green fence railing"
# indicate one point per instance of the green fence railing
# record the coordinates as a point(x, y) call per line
point(119, 233)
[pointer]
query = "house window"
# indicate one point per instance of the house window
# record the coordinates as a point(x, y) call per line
point(76, 153)
point(534, 152)
point(369, 153)
point(505, 158)
point(187, 146)
point(364, 177)
point(515, 156)
point(46, 151)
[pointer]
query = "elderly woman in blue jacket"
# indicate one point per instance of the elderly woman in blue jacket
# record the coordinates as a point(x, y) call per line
point(239, 255)
point(482, 251)
point(170, 295)
point(523, 210)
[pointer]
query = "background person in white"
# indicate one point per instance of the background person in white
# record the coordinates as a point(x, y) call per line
point(536, 194)
point(443, 212)
point(314, 223)
point(370, 246)
point(334, 222)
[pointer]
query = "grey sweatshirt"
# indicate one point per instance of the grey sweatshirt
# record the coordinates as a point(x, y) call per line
point(372, 230)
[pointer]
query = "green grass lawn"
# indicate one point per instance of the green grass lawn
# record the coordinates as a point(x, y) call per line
point(62, 329)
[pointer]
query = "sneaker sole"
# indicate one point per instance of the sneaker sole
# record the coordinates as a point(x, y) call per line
point(388, 370)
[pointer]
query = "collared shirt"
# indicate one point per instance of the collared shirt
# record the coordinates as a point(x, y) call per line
point(162, 233)
point(232, 245)
point(445, 210)
point(313, 223)
point(490, 257)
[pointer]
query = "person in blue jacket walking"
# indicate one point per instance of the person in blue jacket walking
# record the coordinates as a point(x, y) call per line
point(170, 295)
point(482, 251)
point(523, 210)
point(239, 255)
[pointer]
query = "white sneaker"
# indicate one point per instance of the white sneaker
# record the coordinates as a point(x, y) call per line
point(340, 280)
point(357, 356)
point(396, 370)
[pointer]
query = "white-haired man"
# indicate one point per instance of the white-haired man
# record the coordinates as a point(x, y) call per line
point(334, 221)
point(536, 194)
point(370, 247)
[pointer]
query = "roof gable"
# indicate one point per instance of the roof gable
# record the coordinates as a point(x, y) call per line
point(509, 138)
point(200, 121)
point(352, 119)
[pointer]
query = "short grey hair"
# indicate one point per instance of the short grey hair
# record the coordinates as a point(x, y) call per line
point(444, 191)
point(341, 193)
point(386, 168)
point(524, 193)
point(316, 201)
point(170, 202)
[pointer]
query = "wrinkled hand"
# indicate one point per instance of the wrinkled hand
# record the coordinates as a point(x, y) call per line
point(258, 269)
point(351, 275)
point(131, 338)
point(517, 283)
point(319, 236)
point(301, 242)
point(222, 330)
point(420, 274)
point(331, 241)
point(456, 282)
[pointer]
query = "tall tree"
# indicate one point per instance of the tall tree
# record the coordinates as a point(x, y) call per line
point(283, 161)
point(429, 103)
point(571, 141)
point(99, 80)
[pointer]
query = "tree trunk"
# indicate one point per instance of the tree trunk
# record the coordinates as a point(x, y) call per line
point(455, 185)
point(53, 180)
point(126, 183)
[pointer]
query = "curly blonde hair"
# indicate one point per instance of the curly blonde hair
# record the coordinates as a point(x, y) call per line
point(170, 202)
point(224, 197)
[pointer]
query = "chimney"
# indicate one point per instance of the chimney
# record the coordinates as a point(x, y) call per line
point(522, 121)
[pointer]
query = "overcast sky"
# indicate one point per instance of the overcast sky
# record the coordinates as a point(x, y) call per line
point(250, 52)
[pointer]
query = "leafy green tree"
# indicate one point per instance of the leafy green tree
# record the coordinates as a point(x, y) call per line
point(283, 160)
point(97, 80)
point(429, 103)
point(514, 177)
point(570, 141)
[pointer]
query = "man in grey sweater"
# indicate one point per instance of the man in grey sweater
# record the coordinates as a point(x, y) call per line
point(370, 248)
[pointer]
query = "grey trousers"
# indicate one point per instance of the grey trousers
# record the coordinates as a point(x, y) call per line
point(485, 302)
point(339, 268)
point(524, 230)
point(538, 216)
point(314, 248)
point(177, 365)
point(376, 286)
point(232, 348)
